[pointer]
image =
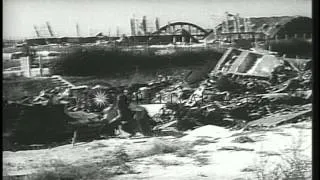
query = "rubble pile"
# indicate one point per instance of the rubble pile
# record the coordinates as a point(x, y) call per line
point(177, 94)
point(226, 98)
point(81, 109)
point(234, 99)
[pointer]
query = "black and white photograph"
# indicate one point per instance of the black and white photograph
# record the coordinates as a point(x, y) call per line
point(157, 89)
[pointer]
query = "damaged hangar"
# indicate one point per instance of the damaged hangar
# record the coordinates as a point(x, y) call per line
point(289, 35)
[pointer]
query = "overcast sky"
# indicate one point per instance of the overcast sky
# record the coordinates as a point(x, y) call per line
point(94, 16)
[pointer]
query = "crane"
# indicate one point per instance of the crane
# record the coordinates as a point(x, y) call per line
point(49, 29)
point(37, 31)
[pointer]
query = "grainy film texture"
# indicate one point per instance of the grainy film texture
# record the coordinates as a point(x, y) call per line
point(182, 89)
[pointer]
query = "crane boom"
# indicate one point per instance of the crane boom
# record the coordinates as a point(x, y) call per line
point(49, 29)
point(36, 30)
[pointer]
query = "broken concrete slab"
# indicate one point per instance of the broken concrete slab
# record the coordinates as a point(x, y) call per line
point(234, 148)
point(279, 118)
point(166, 125)
point(275, 96)
point(238, 61)
point(264, 65)
point(83, 117)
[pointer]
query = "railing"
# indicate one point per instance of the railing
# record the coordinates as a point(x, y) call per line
point(169, 97)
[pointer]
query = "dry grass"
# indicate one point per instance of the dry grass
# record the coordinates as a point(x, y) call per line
point(294, 165)
point(178, 148)
point(166, 163)
point(203, 141)
point(115, 164)
point(181, 149)
point(201, 160)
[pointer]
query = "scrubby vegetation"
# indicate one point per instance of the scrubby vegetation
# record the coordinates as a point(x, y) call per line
point(116, 163)
point(102, 62)
point(293, 165)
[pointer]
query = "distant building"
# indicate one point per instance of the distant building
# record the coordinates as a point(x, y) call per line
point(262, 28)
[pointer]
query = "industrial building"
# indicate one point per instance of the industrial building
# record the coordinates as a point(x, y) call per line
point(233, 28)
point(262, 28)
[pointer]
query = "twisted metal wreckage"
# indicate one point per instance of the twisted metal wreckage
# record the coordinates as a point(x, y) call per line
point(245, 89)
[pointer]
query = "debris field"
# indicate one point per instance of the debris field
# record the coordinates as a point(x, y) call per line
point(245, 90)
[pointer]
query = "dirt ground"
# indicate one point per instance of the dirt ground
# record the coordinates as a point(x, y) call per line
point(209, 152)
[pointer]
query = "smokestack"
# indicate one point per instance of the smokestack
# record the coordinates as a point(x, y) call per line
point(78, 30)
point(238, 22)
point(118, 31)
point(227, 23)
point(245, 24)
point(133, 27)
point(157, 24)
point(144, 25)
point(249, 24)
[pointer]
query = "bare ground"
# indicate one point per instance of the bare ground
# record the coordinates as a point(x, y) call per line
point(209, 153)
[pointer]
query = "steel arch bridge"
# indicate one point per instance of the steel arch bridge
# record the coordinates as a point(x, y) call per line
point(193, 29)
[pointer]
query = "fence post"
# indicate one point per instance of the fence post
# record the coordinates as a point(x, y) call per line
point(40, 66)
point(202, 98)
point(137, 100)
point(74, 138)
